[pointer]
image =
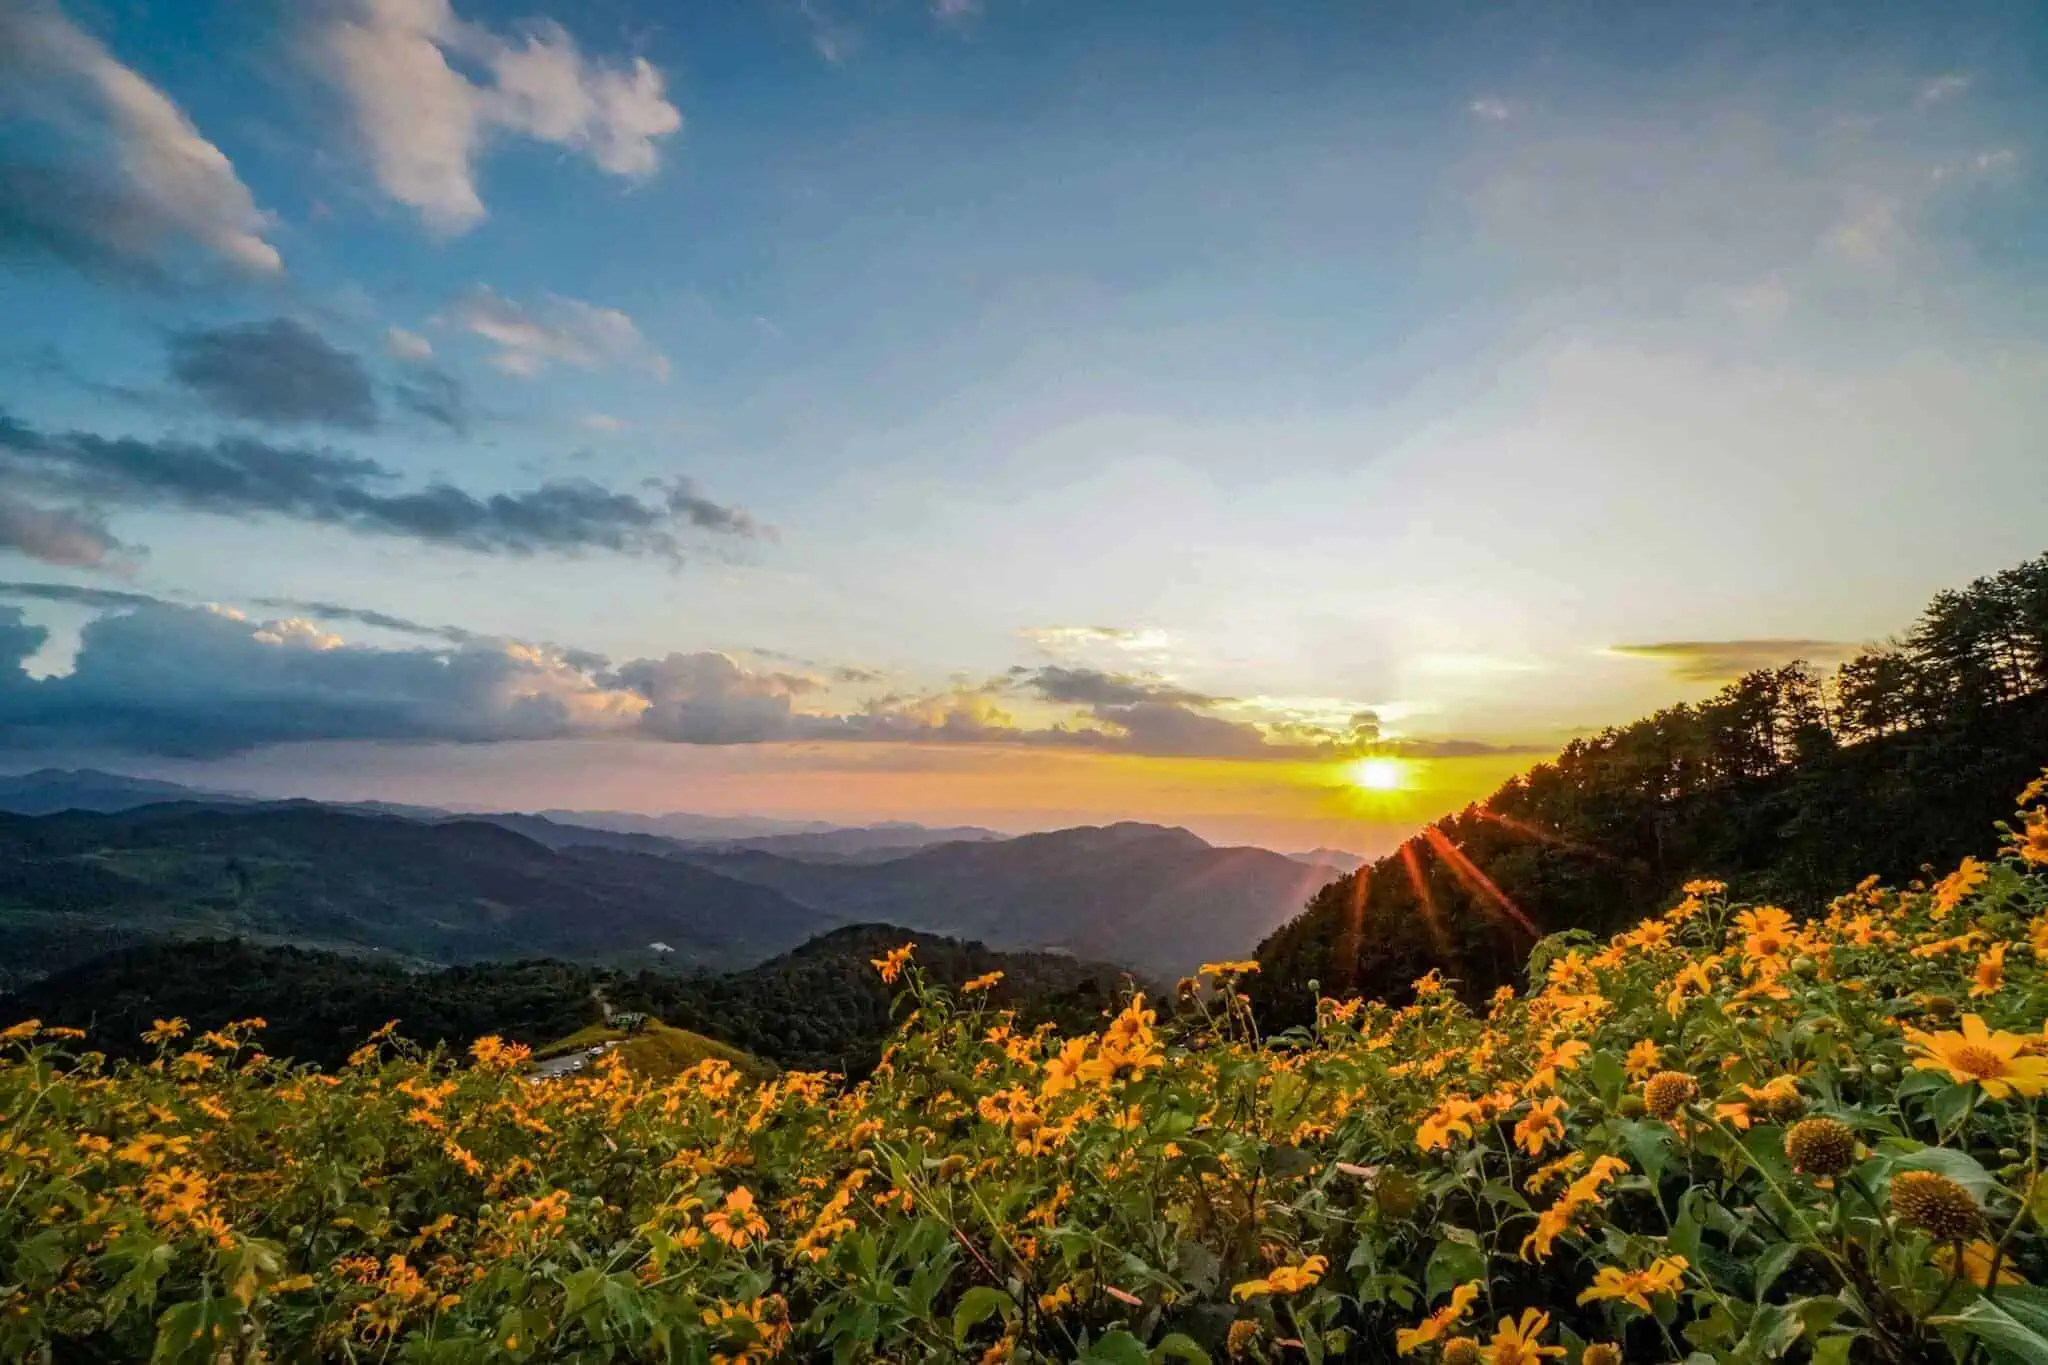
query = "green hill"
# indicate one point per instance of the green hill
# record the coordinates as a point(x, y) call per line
point(79, 883)
point(818, 1007)
point(1787, 784)
point(657, 1051)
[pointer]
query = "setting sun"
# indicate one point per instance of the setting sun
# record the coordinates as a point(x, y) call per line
point(1378, 774)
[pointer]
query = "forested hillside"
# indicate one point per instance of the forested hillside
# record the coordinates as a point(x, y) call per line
point(820, 1006)
point(1161, 900)
point(1789, 784)
point(76, 884)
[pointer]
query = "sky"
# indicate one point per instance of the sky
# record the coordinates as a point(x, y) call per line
point(1025, 412)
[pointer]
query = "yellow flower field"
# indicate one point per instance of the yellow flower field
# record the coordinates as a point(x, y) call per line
point(1727, 1135)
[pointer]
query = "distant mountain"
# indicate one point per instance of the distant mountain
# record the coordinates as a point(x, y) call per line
point(683, 825)
point(1162, 900)
point(1330, 857)
point(78, 883)
point(820, 1006)
point(50, 790)
point(812, 841)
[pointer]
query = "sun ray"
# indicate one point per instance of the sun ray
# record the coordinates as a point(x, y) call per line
point(1468, 872)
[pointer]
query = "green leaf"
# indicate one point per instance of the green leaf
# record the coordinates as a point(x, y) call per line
point(1950, 1103)
point(1833, 1350)
point(2027, 1304)
point(1116, 1348)
point(1685, 1232)
point(1960, 1167)
point(1986, 1319)
point(1772, 1332)
point(977, 1306)
point(1178, 1346)
point(1650, 1145)
point(1608, 1077)
point(1771, 1265)
point(1452, 1263)
point(1920, 1083)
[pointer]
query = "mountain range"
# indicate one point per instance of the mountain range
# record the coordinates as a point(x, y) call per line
point(121, 861)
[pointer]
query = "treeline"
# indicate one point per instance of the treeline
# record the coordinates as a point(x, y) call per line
point(819, 1007)
point(1789, 783)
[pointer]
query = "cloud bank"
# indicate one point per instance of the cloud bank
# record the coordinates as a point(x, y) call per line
point(166, 678)
point(1715, 661)
point(237, 476)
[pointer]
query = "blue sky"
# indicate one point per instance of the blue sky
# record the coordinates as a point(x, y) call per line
point(1014, 389)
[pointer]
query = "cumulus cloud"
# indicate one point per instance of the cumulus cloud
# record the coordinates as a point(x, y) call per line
point(433, 393)
point(428, 91)
point(138, 181)
point(280, 372)
point(196, 683)
point(410, 347)
point(1712, 661)
point(246, 477)
point(56, 535)
point(171, 678)
point(555, 331)
point(1937, 89)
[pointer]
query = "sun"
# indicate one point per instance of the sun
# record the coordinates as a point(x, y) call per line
point(1378, 774)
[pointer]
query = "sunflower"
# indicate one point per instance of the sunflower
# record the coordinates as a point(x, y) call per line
point(1433, 1327)
point(1992, 1060)
point(1515, 1343)
point(1662, 1276)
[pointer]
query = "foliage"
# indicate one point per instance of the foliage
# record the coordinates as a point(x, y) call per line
point(1786, 784)
point(816, 1007)
point(1724, 1135)
point(80, 883)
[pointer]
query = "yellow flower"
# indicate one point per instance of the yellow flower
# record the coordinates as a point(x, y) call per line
point(1663, 1276)
point(1767, 933)
point(1992, 1060)
point(1951, 890)
point(1228, 968)
point(165, 1031)
point(983, 982)
point(1433, 1327)
point(1540, 1126)
point(1977, 1258)
point(1454, 1115)
point(2032, 842)
point(891, 964)
point(1286, 1279)
point(1515, 1343)
point(1990, 975)
point(736, 1224)
point(1643, 1060)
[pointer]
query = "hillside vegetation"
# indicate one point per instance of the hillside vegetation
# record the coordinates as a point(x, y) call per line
point(80, 883)
point(819, 1006)
point(1722, 1135)
point(1788, 784)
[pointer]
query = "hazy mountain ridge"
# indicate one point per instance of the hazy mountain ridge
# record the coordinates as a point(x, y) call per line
point(1160, 899)
point(491, 888)
point(76, 883)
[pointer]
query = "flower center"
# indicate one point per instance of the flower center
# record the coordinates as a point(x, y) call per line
point(1978, 1061)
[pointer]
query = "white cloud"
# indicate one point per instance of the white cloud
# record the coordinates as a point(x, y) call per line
point(1492, 110)
point(1946, 87)
point(603, 422)
point(407, 346)
point(181, 183)
point(556, 331)
point(424, 122)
